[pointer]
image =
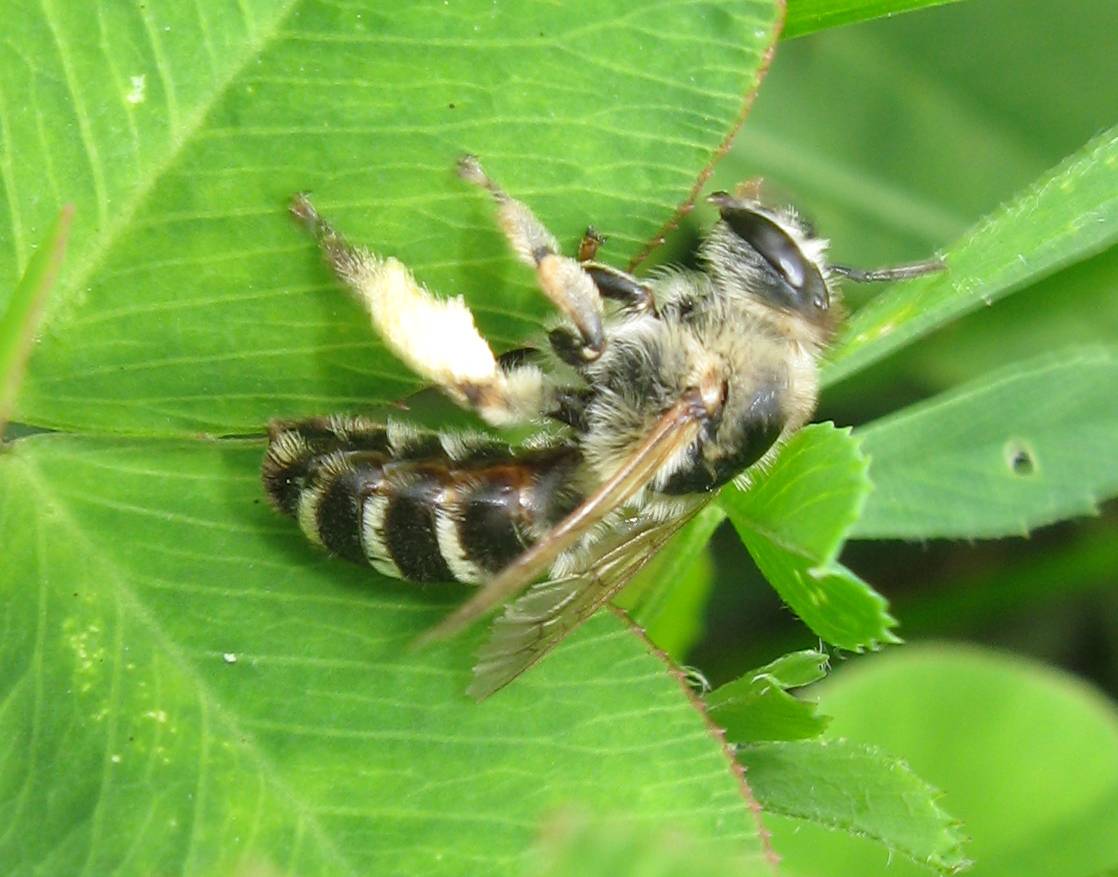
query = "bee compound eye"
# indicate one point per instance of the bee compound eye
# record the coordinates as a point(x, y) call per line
point(770, 241)
point(800, 275)
point(792, 267)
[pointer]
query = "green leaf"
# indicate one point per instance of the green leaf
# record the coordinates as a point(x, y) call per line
point(195, 690)
point(668, 596)
point(1026, 446)
point(758, 706)
point(809, 16)
point(860, 790)
point(194, 303)
point(20, 320)
point(1068, 215)
point(1079, 308)
point(794, 521)
point(1027, 758)
point(576, 846)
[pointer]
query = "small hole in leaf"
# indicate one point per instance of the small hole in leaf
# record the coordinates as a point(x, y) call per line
point(1020, 459)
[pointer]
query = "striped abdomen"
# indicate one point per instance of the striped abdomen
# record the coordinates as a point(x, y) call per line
point(416, 505)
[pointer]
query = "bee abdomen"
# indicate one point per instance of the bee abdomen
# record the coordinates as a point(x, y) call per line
point(419, 506)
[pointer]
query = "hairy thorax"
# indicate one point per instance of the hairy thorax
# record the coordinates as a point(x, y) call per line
point(765, 373)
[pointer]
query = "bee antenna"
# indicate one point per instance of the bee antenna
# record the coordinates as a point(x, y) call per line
point(894, 272)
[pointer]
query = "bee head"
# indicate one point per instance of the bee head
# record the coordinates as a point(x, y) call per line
point(773, 255)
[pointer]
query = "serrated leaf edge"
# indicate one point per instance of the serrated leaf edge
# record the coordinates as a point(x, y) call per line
point(951, 826)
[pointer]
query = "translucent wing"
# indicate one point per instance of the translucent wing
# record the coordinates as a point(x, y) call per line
point(675, 429)
point(534, 624)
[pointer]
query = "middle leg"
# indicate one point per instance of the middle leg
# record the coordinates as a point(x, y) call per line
point(571, 289)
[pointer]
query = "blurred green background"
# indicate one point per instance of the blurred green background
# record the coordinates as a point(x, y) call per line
point(1003, 90)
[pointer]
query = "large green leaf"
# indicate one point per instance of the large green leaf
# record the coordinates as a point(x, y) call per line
point(190, 688)
point(575, 845)
point(192, 301)
point(1029, 445)
point(794, 521)
point(199, 692)
point(1026, 757)
point(860, 790)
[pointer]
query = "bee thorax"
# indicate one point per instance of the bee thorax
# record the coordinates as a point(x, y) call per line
point(755, 383)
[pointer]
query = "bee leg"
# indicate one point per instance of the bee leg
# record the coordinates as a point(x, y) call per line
point(611, 282)
point(566, 345)
point(622, 287)
point(894, 272)
point(561, 278)
point(570, 408)
point(588, 246)
point(436, 338)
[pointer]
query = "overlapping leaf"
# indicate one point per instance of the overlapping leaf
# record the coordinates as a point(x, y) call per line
point(1000, 456)
point(794, 522)
point(758, 706)
point(860, 790)
point(809, 16)
point(1027, 758)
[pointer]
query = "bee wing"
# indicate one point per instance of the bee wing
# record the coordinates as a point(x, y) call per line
point(675, 429)
point(534, 624)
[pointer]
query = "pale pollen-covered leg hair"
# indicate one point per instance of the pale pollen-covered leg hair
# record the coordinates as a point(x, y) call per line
point(435, 337)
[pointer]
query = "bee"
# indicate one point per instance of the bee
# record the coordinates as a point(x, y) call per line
point(663, 388)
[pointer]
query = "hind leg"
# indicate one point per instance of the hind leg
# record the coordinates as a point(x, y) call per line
point(436, 338)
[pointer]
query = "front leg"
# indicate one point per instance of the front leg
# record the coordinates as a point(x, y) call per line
point(562, 279)
point(619, 286)
point(613, 283)
point(592, 239)
point(436, 338)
